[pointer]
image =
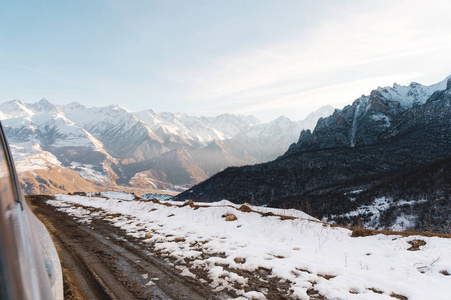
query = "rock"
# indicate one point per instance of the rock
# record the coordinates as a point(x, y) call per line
point(245, 208)
point(240, 260)
point(230, 217)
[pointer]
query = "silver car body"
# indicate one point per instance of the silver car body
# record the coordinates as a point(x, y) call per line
point(29, 265)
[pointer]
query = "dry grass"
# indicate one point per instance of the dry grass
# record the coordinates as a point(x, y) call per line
point(416, 244)
point(327, 277)
point(315, 295)
point(188, 203)
point(192, 205)
point(375, 291)
point(268, 214)
point(304, 270)
point(113, 215)
point(360, 231)
point(398, 296)
point(283, 218)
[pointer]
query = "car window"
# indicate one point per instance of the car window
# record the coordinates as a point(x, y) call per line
point(11, 251)
point(7, 194)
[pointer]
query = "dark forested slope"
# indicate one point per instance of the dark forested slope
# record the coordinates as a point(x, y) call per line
point(342, 174)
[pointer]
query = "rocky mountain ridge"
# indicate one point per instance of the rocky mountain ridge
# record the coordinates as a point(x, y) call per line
point(361, 165)
point(366, 119)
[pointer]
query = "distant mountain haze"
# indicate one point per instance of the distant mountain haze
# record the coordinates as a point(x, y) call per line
point(110, 147)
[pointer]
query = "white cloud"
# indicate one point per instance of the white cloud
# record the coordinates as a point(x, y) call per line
point(298, 105)
point(46, 74)
point(362, 43)
point(335, 95)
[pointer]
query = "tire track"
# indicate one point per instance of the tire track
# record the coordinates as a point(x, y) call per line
point(100, 262)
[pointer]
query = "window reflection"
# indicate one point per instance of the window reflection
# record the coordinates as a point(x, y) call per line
point(7, 195)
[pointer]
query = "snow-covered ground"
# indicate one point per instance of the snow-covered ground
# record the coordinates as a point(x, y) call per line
point(299, 251)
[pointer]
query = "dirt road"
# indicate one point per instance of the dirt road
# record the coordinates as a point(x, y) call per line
point(100, 262)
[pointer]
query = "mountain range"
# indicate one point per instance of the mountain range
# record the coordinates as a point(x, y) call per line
point(67, 148)
point(382, 162)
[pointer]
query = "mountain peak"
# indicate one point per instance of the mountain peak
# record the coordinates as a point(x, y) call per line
point(43, 100)
point(15, 108)
point(149, 111)
point(71, 107)
point(75, 104)
point(17, 101)
point(117, 107)
point(44, 105)
point(282, 119)
point(362, 122)
point(312, 119)
point(414, 84)
point(323, 111)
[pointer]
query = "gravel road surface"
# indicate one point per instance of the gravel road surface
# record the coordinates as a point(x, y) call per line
point(100, 262)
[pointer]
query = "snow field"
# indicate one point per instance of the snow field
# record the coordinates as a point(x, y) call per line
point(301, 253)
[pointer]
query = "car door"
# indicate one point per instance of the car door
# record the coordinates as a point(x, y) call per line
point(29, 264)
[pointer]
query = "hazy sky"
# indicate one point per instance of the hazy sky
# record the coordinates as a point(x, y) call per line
point(266, 58)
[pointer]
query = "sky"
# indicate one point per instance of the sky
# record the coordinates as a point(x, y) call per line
point(261, 58)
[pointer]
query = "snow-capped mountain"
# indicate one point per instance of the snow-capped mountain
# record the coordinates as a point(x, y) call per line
point(310, 121)
point(15, 109)
point(266, 141)
point(71, 108)
point(46, 144)
point(383, 161)
point(110, 145)
point(176, 129)
point(65, 144)
point(44, 106)
point(369, 116)
point(231, 125)
point(123, 135)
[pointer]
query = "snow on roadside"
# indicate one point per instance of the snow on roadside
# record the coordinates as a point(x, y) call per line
point(114, 195)
point(307, 255)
